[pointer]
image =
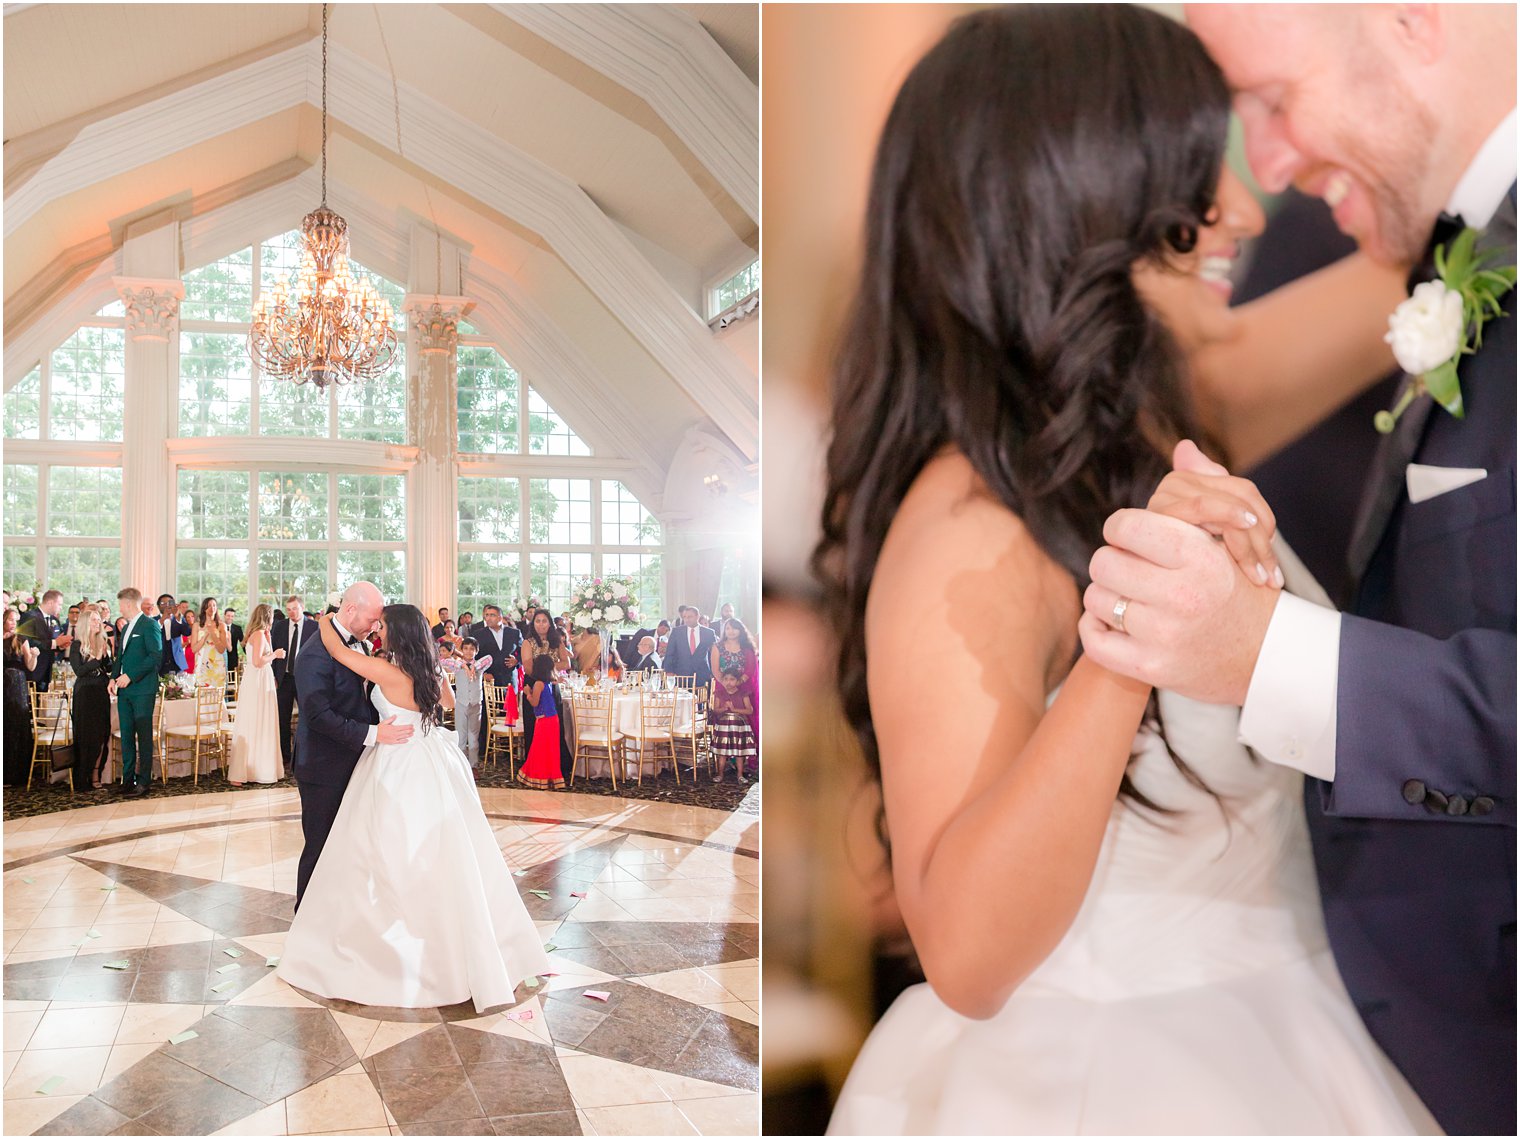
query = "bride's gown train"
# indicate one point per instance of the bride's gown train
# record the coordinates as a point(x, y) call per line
point(1194, 994)
point(411, 904)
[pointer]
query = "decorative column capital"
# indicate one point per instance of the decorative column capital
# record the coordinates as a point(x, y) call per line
point(437, 320)
point(152, 306)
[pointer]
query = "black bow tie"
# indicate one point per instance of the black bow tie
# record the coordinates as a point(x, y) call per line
point(1446, 229)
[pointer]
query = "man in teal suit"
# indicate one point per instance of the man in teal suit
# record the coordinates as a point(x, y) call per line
point(136, 673)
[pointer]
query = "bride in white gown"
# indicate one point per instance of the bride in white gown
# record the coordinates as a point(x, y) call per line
point(1112, 900)
point(411, 904)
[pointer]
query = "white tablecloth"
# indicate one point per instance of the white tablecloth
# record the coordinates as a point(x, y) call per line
point(176, 714)
point(625, 719)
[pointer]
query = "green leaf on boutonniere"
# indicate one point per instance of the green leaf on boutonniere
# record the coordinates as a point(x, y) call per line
point(1444, 389)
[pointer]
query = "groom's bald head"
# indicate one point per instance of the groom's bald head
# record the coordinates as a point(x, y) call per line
point(359, 609)
point(1378, 109)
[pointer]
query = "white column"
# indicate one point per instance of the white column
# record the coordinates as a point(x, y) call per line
point(148, 493)
point(433, 489)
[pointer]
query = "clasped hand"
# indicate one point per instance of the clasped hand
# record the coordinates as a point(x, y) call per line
point(1197, 570)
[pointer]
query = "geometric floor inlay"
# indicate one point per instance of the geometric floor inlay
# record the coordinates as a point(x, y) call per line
point(666, 927)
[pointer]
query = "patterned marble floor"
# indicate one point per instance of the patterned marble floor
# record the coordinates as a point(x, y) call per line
point(130, 924)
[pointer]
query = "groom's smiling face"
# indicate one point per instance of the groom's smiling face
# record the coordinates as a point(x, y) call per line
point(1326, 99)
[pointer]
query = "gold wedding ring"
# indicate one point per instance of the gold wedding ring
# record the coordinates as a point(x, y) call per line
point(1120, 608)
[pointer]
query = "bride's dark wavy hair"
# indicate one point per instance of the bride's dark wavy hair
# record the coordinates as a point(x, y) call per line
point(1032, 158)
point(409, 641)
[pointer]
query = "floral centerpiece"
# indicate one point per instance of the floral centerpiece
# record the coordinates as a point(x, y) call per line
point(517, 612)
point(177, 686)
point(25, 598)
point(604, 603)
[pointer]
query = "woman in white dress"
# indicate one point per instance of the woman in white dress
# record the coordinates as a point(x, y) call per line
point(411, 904)
point(256, 754)
point(1112, 901)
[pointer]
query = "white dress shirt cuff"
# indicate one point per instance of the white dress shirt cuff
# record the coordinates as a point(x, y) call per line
point(369, 736)
point(1289, 713)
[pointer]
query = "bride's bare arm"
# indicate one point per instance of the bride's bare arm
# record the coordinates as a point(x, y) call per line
point(392, 681)
point(996, 806)
point(1301, 351)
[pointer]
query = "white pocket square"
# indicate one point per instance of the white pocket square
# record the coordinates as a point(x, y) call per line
point(1430, 482)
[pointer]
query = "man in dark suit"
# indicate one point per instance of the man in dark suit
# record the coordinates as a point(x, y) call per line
point(1402, 708)
point(43, 628)
point(338, 721)
point(293, 634)
point(170, 628)
point(689, 651)
point(234, 637)
point(501, 642)
point(443, 615)
point(643, 657)
point(135, 678)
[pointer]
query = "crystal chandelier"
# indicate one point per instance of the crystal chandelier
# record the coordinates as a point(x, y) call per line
point(323, 325)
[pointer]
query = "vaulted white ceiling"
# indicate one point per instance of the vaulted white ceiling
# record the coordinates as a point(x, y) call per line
point(597, 162)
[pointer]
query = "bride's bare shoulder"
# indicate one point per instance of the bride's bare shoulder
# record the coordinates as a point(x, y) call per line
point(955, 547)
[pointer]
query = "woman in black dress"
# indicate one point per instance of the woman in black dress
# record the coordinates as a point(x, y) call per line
point(20, 658)
point(90, 656)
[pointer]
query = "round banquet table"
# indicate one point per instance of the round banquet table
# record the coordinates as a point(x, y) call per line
point(174, 714)
point(625, 719)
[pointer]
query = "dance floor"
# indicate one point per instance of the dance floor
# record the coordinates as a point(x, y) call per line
point(130, 924)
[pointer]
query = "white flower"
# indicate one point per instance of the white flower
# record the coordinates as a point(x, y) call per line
point(582, 621)
point(608, 594)
point(1426, 330)
point(335, 598)
point(596, 614)
point(614, 612)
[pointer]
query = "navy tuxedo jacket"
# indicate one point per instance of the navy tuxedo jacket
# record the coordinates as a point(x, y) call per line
point(1415, 839)
point(336, 715)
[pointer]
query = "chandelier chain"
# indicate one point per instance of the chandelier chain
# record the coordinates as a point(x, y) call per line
point(324, 104)
point(427, 196)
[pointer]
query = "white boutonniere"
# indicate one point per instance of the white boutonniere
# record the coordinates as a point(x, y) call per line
point(1441, 322)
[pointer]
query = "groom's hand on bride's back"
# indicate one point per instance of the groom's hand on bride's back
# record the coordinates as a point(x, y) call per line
point(1194, 622)
point(390, 732)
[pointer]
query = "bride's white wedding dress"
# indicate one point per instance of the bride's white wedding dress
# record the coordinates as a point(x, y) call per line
point(1194, 994)
point(411, 904)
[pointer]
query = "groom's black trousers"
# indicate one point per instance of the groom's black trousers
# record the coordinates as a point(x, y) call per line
point(319, 807)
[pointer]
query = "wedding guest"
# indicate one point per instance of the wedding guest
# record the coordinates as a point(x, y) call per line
point(20, 658)
point(586, 646)
point(727, 612)
point(466, 619)
point(662, 637)
point(44, 629)
point(500, 641)
point(209, 644)
point(445, 633)
point(172, 628)
point(73, 621)
point(647, 658)
point(290, 634)
point(543, 640)
point(690, 648)
point(733, 740)
point(234, 638)
point(257, 754)
point(542, 768)
point(90, 657)
point(444, 624)
point(736, 651)
point(469, 694)
point(137, 690)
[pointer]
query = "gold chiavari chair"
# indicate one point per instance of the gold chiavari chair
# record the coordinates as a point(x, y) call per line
point(203, 736)
point(52, 728)
point(594, 732)
point(657, 712)
point(501, 736)
point(693, 732)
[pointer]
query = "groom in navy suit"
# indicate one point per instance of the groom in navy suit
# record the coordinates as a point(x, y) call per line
point(337, 723)
point(1402, 708)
